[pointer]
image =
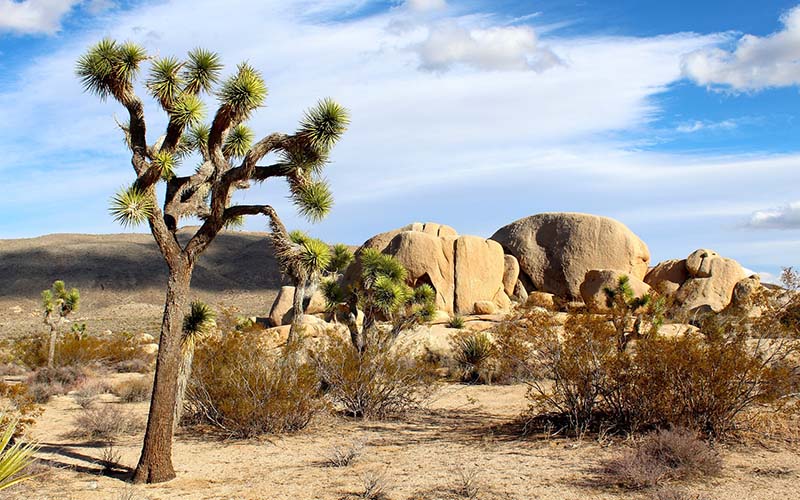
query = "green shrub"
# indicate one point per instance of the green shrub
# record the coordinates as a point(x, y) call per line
point(456, 321)
point(244, 390)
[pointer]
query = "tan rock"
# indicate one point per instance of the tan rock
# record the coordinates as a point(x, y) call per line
point(666, 277)
point(712, 283)
point(479, 269)
point(698, 263)
point(316, 302)
point(596, 281)
point(542, 299)
point(510, 274)
point(281, 311)
point(677, 330)
point(428, 259)
point(556, 250)
point(485, 307)
point(149, 348)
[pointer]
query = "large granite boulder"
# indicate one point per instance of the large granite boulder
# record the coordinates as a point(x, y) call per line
point(556, 250)
point(463, 270)
point(593, 288)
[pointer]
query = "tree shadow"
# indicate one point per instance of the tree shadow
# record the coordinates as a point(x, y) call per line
point(88, 464)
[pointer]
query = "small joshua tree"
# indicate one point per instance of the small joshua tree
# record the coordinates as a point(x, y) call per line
point(381, 293)
point(626, 307)
point(229, 160)
point(200, 321)
point(58, 303)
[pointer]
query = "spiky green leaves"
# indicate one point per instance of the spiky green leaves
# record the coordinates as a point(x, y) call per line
point(238, 142)
point(187, 110)
point(324, 124)
point(333, 292)
point(389, 295)
point(341, 257)
point(165, 82)
point(200, 319)
point(14, 457)
point(108, 68)
point(313, 199)
point(315, 255)
point(166, 164)
point(59, 299)
point(243, 92)
point(201, 71)
point(375, 264)
point(132, 206)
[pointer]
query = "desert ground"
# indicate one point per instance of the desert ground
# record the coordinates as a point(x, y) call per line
point(465, 430)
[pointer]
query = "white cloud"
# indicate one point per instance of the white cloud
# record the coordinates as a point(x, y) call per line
point(754, 64)
point(33, 16)
point(426, 5)
point(496, 48)
point(785, 217)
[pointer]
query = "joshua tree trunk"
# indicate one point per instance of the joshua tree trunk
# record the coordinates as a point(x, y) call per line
point(155, 463)
point(298, 298)
point(184, 373)
point(51, 353)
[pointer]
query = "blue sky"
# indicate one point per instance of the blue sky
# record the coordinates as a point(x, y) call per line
point(677, 118)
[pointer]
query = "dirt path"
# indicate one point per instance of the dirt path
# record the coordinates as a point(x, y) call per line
point(421, 457)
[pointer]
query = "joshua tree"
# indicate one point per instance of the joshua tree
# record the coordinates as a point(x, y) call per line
point(58, 303)
point(625, 306)
point(229, 160)
point(381, 293)
point(303, 259)
point(198, 322)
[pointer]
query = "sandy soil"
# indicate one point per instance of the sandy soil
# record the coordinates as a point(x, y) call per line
point(465, 429)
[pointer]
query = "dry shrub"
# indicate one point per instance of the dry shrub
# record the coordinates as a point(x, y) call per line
point(80, 349)
point(244, 390)
point(106, 422)
point(17, 405)
point(474, 354)
point(672, 493)
point(702, 381)
point(666, 455)
point(343, 456)
point(11, 369)
point(516, 342)
point(45, 383)
point(375, 486)
point(134, 390)
point(383, 380)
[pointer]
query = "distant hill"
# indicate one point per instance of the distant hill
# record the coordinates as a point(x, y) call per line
point(118, 269)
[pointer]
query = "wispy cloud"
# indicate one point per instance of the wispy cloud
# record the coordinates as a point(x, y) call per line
point(755, 63)
point(42, 17)
point(698, 125)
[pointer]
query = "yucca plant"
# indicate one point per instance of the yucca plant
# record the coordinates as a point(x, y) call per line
point(58, 303)
point(229, 158)
point(381, 293)
point(14, 458)
point(472, 351)
point(199, 322)
point(627, 308)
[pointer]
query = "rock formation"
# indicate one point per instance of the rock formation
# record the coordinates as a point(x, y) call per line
point(597, 281)
point(556, 250)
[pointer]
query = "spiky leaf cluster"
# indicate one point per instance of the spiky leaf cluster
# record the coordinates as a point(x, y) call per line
point(375, 264)
point(341, 257)
point(15, 457)
point(132, 206)
point(61, 300)
point(324, 124)
point(201, 71)
point(313, 199)
point(238, 141)
point(200, 320)
point(243, 92)
point(108, 68)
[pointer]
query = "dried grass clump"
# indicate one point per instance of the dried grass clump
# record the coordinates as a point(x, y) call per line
point(384, 380)
point(344, 456)
point(45, 382)
point(18, 407)
point(666, 455)
point(134, 390)
point(244, 390)
point(106, 422)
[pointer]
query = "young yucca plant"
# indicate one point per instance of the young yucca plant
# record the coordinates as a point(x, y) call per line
point(230, 158)
point(200, 321)
point(472, 352)
point(58, 303)
point(14, 458)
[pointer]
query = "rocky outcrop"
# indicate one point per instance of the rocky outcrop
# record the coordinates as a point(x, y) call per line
point(510, 274)
point(463, 270)
point(593, 288)
point(281, 311)
point(704, 281)
point(556, 250)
